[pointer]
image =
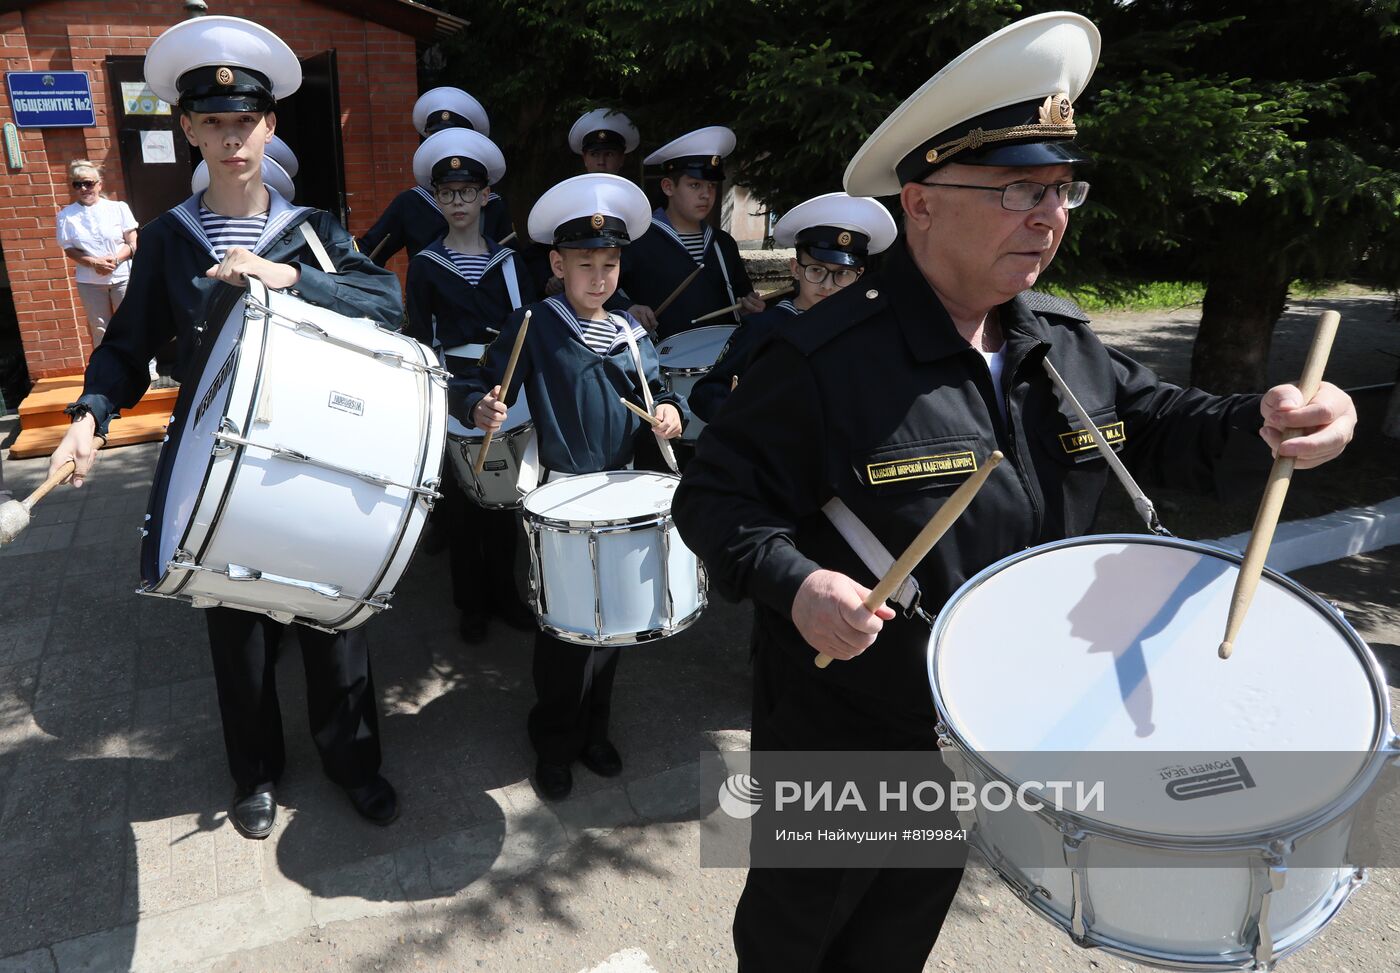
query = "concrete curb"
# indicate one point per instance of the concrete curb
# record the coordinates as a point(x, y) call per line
point(1317, 540)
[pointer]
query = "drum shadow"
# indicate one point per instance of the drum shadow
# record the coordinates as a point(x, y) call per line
point(273, 472)
point(1119, 612)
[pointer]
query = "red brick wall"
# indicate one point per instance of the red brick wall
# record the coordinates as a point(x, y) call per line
point(378, 85)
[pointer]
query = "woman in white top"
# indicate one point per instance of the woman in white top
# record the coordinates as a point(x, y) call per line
point(99, 235)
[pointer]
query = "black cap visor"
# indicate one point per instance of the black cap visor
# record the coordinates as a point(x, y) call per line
point(1028, 154)
point(591, 233)
point(841, 257)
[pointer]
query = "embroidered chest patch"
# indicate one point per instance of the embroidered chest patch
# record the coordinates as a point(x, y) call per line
point(921, 467)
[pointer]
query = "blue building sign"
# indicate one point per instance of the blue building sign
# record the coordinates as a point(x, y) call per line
point(51, 99)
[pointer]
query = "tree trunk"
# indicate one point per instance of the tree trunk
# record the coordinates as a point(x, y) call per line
point(1245, 295)
point(1390, 425)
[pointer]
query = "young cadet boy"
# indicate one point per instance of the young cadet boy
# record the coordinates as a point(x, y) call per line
point(225, 75)
point(461, 289)
point(604, 138)
point(413, 220)
point(680, 240)
point(577, 362)
point(833, 235)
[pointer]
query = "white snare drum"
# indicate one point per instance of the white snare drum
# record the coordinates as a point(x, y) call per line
point(1230, 787)
point(607, 565)
point(299, 468)
point(686, 358)
point(495, 488)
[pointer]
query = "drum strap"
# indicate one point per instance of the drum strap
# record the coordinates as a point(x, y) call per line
point(317, 247)
point(666, 452)
point(870, 551)
point(724, 271)
point(512, 285)
point(1141, 502)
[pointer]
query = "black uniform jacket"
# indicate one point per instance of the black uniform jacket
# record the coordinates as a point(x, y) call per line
point(169, 296)
point(413, 221)
point(657, 261)
point(445, 309)
point(873, 396)
point(738, 353)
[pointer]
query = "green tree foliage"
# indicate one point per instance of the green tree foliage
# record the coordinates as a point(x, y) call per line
point(1247, 142)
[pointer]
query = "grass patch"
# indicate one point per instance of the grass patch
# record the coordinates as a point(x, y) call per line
point(1150, 295)
point(1162, 295)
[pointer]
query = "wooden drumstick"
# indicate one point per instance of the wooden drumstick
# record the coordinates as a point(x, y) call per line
point(506, 239)
point(378, 247)
point(677, 292)
point(781, 291)
point(1266, 520)
point(641, 412)
point(733, 382)
point(933, 531)
point(14, 514)
point(505, 386)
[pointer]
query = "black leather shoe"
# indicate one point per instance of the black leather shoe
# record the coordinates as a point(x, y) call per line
point(553, 781)
point(376, 801)
point(514, 613)
point(472, 627)
point(602, 758)
point(254, 814)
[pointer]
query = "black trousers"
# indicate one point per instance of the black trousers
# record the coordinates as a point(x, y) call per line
point(573, 697)
point(340, 698)
point(481, 546)
point(834, 920)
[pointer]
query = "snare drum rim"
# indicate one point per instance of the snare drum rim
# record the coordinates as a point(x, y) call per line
point(636, 522)
point(1383, 743)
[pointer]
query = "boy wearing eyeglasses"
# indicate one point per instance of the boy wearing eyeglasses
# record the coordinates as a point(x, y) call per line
point(461, 288)
point(834, 235)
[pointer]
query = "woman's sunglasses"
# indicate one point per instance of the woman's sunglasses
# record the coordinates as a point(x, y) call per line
point(84, 183)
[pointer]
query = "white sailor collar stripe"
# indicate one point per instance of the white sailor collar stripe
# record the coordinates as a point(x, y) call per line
point(280, 215)
point(670, 231)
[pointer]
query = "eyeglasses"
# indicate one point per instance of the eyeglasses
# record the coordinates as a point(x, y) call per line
point(1022, 196)
point(817, 274)
point(84, 183)
point(447, 195)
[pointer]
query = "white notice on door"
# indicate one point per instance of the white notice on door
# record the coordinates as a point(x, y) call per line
point(157, 147)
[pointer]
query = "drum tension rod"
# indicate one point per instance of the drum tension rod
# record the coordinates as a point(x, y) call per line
point(297, 456)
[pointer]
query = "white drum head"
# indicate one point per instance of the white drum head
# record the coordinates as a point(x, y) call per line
point(190, 464)
point(1109, 645)
point(516, 416)
point(697, 348)
point(594, 498)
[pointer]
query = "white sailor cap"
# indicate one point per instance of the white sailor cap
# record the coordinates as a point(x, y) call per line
point(590, 211)
point(837, 228)
point(272, 173)
point(221, 64)
point(449, 107)
point(1006, 101)
point(603, 128)
point(458, 153)
point(283, 155)
point(699, 153)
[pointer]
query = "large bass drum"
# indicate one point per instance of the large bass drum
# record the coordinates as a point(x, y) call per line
point(1229, 790)
point(299, 467)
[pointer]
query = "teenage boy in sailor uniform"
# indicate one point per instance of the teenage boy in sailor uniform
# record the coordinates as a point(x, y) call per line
point(577, 362)
point(461, 288)
point(225, 75)
point(680, 240)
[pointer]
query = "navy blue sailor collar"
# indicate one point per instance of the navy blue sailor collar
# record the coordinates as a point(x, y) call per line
point(280, 215)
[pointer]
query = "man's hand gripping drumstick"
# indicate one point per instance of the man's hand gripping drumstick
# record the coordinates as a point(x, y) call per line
point(840, 618)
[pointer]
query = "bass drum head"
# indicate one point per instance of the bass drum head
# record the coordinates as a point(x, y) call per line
point(696, 348)
point(516, 416)
point(185, 458)
point(622, 496)
point(1108, 646)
